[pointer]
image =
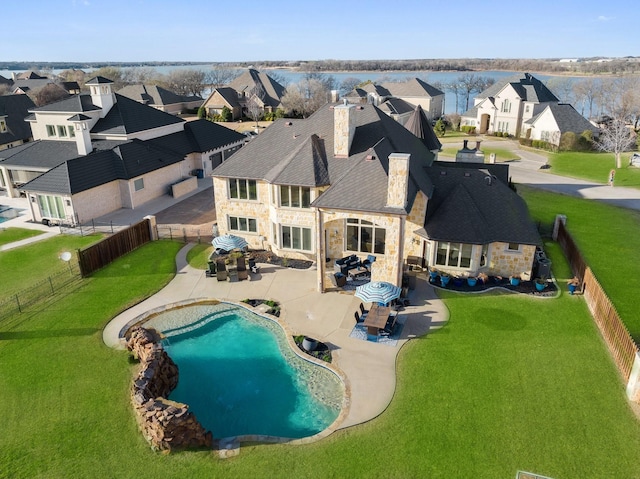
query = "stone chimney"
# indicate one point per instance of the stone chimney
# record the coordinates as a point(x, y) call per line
point(83, 134)
point(468, 155)
point(344, 127)
point(335, 96)
point(101, 94)
point(398, 186)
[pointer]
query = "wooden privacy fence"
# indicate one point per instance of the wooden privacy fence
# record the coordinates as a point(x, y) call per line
point(111, 248)
point(621, 345)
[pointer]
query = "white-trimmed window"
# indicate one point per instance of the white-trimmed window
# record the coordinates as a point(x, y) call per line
point(365, 237)
point(506, 106)
point(295, 196)
point(62, 131)
point(484, 256)
point(51, 206)
point(513, 247)
point(241, 189)
point(72, 131)
point(294, 237)
point(138, 184)
point(51, 130)
point(3, 126)
point(239, 223)
point(455, 255)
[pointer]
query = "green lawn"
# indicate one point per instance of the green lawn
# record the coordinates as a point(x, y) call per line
point(606, 236)
point(23, 266)
point(9, 235)
point(594, 167)
point(509, 383)
point(502, 154)
point(198, 256)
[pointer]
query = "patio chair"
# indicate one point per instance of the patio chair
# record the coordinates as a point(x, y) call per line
point(242, 269)
point(368, 262)
point(221, 270)
point(211, 271)
point(338, 280)
point(359, 319)
point(363, 311)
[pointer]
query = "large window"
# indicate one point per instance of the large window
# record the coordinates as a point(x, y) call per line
point(506, 106)
point(294, 237)
point(238, 223)
point(456, 255)
point(51, 206)
point(365, 237)
point(51, 130)
point(62, 131)
point(295, 196)
point(241, 189)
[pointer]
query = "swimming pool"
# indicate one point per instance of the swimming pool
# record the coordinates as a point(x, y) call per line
point(7, 213)
point(240, 377)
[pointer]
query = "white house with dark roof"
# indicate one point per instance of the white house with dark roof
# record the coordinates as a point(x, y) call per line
point(507, 104)
point(556, 119)
point(96, 153)
point(351, 180)
point(399, 99)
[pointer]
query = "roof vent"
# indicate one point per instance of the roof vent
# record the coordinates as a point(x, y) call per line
point(467, 174)
point(360, 107)
point(370, 158)
point(489, 179)
point(443, 173)
point(288, 123)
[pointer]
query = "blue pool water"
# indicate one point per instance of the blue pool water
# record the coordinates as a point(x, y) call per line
point(239, 376)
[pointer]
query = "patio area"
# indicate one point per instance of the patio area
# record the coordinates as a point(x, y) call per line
point(329, 317)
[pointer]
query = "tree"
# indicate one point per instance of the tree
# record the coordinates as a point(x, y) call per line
point(562, 88)
point(349, 84)
point(255, 103)
point(111, 73)
point(455, 88)
point(186, 82)
point(616, 138)
point(220, 75)
point(225, 113)
point(587, 93)
point(202, 112)
point(305, 97)
point(49, 93)
point(471, 83)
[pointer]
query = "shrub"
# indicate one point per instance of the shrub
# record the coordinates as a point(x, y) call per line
point(497, 133)
point(468, 129)
point(568, 141)
point(202, 113)
point(525, 141)
point(440, 127)
point(225, 114)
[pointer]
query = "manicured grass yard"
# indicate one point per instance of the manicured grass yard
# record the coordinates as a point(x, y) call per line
point(9, 235)
point(509, 383)
point(24, 266)
point(502, 154)
point(606, 235)
point(594, 167)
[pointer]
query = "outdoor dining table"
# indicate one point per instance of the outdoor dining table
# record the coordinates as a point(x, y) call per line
point(376, 318)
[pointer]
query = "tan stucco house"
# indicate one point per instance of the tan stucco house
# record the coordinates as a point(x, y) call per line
point(95, 153)
point(351, 180)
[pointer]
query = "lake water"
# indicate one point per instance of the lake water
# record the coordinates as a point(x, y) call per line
point(292, 76)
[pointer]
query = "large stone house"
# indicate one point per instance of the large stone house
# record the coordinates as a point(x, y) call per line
point(95, 153)
point(351, 180)
point(399, 99)
point(250, 86)
point(507, 104)
point(161, 98)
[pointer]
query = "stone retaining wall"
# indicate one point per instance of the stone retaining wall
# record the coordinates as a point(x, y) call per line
point(167, 425)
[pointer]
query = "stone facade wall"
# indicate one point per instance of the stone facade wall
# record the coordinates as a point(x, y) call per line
point(398, 180)
point(343, 130)
point(183, 187)
point(415, 221)
point(167, 425)
point(503, 262)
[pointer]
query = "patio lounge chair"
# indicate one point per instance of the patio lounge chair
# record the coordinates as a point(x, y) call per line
point(368, 262)
point(242, 269)
point(221, 270)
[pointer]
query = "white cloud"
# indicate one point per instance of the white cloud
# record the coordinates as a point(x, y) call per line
point(603, 18)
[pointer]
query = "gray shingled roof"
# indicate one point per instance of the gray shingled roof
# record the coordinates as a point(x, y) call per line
point(73, 104)
point(470, 206)
point(529, 88)
point(128, 116)
point(42, 155)
point(396, 106)
point(198, 136)
point(15, 108)
point(272, 89)
point(420, 126)
point(411, 87)
point(229, 95)
point(356, 183)
point(155, 95)
point(567, 118)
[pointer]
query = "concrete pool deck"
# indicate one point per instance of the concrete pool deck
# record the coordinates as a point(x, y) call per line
point(369, 367)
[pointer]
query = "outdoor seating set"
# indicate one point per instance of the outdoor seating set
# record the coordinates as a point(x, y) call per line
point(229, 261)
point(379, 320)
point(351, 267)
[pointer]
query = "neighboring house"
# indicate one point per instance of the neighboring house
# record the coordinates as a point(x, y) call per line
point(96, 153)
point(351, 180)
point(71, 87)
point(399, 99)
point(556, 119)
point(13, 129)
point(252, 85)
point(507, 104)
point(161, 99)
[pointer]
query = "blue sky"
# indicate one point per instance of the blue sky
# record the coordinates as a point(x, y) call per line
point(248, 30)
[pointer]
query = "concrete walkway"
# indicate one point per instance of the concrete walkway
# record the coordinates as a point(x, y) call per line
point(328, 317)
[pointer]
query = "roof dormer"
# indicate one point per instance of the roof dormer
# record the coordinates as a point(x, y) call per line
point(101, 94)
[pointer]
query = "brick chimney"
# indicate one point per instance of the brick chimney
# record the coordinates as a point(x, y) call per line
point(398, 185)
point(344, 127)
